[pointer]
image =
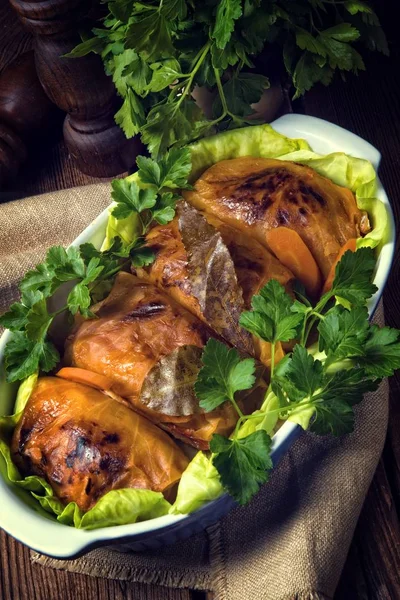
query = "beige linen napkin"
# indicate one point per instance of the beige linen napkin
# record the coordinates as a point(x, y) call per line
point(291, 541)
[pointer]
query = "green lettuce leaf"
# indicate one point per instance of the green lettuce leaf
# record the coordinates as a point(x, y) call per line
point(258, 141)
point(127, 229)
point(24, 392)
point(378, 217)
point(120, 507)
point(266, 422)
point(199, 484)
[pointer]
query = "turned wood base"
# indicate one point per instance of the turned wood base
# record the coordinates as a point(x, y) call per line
point(78, 86)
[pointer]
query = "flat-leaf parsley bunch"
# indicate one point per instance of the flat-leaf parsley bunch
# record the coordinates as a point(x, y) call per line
point(316, 387)
point(158, 51)
point(89, 271)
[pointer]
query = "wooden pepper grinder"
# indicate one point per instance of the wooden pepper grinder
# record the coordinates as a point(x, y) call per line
point(26, 113)
point(79, 86)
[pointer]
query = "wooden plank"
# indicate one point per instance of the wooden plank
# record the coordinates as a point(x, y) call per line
point(22, 580)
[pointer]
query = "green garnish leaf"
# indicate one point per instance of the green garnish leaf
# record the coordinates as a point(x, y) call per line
point(349, 385)
point(131, 116)
point(272, 318)
point(335, 417)
point(158, 52)
point(164, 211)
point(142, 257)
point(353, 278)
point(302, 372)
point(333, 407)
point(227, 13)
point(171, 171)
point(381, 355)
point(222, 375)
point(243, 464)
point(79, 300)
point(24, 357)
point(131, 198)
point(38, 321)
point(342, 333)
point(15, 318)
point(39, 279)
point(150, 36)
point(241, 91)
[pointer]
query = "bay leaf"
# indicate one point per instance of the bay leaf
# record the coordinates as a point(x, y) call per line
point(169, 387)
point(213, 278)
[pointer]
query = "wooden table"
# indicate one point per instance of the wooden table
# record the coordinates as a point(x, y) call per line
point(368, 106)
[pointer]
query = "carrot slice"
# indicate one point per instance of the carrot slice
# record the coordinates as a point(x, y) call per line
point(351, 244)
point(94, 380)
point(293, 253)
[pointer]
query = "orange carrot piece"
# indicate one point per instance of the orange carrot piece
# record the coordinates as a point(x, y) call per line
point(94, 380)
point(351, 244)
point(293, 253)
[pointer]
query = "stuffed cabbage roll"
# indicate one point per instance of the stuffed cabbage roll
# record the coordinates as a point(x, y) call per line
point(254, 264)
point(214, 271)
point(255, 195)
point(85, 444)
point(135, 325)
point(141, 332)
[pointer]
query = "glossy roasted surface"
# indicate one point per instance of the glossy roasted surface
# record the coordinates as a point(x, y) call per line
point(254, 264)
point(136, 326)
point(255, 195)
point(213, 270)
point(85, 444)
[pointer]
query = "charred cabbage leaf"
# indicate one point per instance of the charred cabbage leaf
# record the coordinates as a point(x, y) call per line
point(84, 444)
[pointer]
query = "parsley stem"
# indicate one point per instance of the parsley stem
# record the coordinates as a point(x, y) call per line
point(272, 360)
point(204, 52)
point(303, 298)
point(322, 303)
point(317, 314)
point(237, 407)
point(303, 338)
point(225, 111)
point(313, 316)
point(221, 92)
point(59, 311)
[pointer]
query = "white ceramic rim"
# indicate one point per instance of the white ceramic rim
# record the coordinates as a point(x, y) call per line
point(60, 541)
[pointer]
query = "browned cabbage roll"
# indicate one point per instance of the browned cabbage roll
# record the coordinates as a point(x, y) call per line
point(254, 195)
point(187, 253)
point(85, 444)
point(254, 264)
point(138, 325)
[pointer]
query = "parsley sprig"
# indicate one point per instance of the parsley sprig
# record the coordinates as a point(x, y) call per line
point(158, 51)
point(86, 272)
point(316, 387)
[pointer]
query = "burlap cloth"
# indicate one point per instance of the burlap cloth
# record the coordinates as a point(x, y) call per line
point(291, 541)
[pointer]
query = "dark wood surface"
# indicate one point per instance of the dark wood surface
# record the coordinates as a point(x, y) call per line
point(368, 106)
point(25, 113)
point(78, 86)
